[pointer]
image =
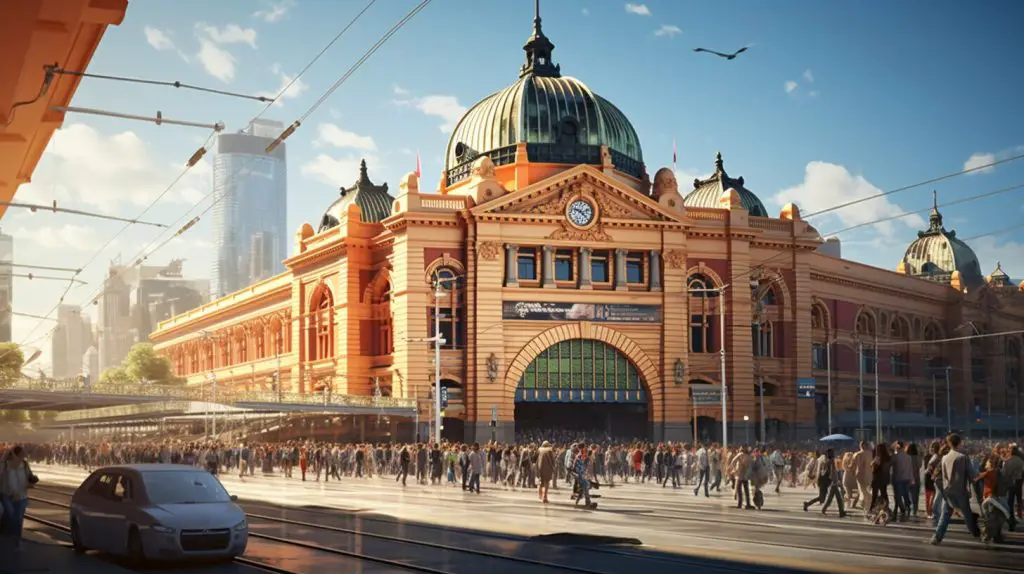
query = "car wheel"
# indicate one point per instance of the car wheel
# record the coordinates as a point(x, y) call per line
point(136, 553)
point(76, 538)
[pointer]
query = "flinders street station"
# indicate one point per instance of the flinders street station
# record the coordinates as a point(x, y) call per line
point(571, 289)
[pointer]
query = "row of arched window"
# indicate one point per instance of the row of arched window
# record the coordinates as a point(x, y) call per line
point(254, 342)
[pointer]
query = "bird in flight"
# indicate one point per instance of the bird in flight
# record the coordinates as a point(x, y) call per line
point(721, 55)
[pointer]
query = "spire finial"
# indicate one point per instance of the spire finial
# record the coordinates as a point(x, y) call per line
point(538, 51)
point(935, 219)
point(719, 163)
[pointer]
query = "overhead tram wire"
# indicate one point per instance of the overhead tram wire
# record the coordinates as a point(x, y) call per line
point(174, 84)
point(148, 251)
point(352, 69)
point(967, 199)
point(315, 59)
point(55, 209)
point(916, 185)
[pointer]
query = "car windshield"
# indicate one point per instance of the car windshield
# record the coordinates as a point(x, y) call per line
point(183, 487)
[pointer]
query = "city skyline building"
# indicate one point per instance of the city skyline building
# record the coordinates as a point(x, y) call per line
point(135, 299)
point(71, 338)
point(6, 286)
point(250, 191)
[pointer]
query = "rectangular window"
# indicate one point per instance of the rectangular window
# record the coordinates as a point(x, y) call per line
point(564, 265)
point(527, 264)
point(819, 356)
point(635, 268)
point(701, 334)
point(869, 361)
point(978, 370)
point(868, 401)
point(451, 327)
point(600, 267)
point(900, 365)
point(899, 404)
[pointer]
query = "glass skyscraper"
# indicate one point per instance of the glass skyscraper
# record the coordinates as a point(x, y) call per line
point(250, 188)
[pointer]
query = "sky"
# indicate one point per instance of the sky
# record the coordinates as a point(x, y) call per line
point(831, 102)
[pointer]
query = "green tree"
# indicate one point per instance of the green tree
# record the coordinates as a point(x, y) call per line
point(11, 361)
point(18, 416)
point(143, 364)
point(115, 376)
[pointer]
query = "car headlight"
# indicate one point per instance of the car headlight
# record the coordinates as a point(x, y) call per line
point(162, 529)
point(243, 525)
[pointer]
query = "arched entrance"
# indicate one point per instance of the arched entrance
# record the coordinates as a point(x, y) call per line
point(582, 385)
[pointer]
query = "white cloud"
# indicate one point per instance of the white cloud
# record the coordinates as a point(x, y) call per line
point(790, 86)
point(809, 76)
point(812, 94)
point(286, 91)
point(826, 185)
point(333, 135)
point(990, 252)
point(445, 107)
point(638, 9)
point(67, 236)
point(230, 34)
point(217, 61)
point(114, 173)
point(585, 12)
point(274, 12)
point(341, 171)
point(158, 38)
point(667, 30)
point(979, 159)
point(685, 177)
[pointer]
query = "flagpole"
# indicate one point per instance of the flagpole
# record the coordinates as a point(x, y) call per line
point(674, 155)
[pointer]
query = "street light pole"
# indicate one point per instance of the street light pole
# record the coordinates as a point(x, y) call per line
point(828, 371)
point(721, 352)
point(878, 397)
point(949, 404)
point(860, 382)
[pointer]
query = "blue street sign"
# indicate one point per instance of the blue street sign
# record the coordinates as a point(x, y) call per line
point(805, 388)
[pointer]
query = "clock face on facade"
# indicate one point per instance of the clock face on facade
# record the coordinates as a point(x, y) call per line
point(581, 213)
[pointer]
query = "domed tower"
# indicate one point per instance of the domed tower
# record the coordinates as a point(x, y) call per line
point(708, 192)
point(555, 121)
point(374, 202)
point(937, 255)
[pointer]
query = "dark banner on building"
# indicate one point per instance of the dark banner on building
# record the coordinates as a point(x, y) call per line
point(805, 388)
point(600, 312)
point(706, 395)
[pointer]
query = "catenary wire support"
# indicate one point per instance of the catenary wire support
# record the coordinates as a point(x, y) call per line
point(159, 119)
point(34, 207)
point(40, 267)
point(174, 84)
point(33, 276)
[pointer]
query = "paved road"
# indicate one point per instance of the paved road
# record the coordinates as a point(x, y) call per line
point(672, 524)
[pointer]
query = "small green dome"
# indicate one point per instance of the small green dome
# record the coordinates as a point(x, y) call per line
point(374, 202)
point(559, 118)
point(937, 253)
point(708, 192)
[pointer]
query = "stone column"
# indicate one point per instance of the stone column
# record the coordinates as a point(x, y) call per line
point(655, 268)
point(548, 267)
point(620, 269)
point(584, 271)
point(511, 262)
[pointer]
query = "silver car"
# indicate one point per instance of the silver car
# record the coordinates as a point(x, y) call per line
point(157, 512)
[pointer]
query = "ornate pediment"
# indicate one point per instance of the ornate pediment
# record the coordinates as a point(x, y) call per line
point(611, 202)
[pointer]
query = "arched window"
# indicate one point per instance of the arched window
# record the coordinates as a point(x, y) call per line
point(209, 356)
point(866, 325)
point(762, 335)
point(702, 315)
point(768, 297)
point(900, 329)
point(277, 346)
point(225, 353)
point(260, 341)
point(193, 357)
point(448, 294)
point(818, 317)
point(321, 344)
point(383, 341)
point(931, 332)
point(242, 345)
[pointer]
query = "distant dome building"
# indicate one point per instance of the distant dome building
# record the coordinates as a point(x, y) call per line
point(374, 202)
point(937, 255)
point(707, 192)
point(558, 118)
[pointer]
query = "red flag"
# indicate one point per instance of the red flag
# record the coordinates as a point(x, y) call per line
point(418, 164)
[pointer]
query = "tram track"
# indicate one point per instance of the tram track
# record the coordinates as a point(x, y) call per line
point(258, 521)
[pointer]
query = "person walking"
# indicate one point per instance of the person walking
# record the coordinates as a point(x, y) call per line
point(546, 469)
point(958, 475)
point(15, 479)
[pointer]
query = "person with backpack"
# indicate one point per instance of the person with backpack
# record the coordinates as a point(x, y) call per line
point(827, 475)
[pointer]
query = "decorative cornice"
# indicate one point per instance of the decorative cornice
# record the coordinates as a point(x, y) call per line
point(675, 258)
point(874, 288)
point(489, 250)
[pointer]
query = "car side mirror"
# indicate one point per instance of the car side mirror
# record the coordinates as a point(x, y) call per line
point(234, 498)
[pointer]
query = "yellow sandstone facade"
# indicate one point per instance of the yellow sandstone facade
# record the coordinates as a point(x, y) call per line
point(568, 287)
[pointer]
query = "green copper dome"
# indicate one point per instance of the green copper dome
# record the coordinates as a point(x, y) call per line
point(708, 192)
point(559, 118)
point(374, 202)
point(937, 253)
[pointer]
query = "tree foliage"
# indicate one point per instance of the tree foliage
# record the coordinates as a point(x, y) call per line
point(11, 361)
point(115, 376)
point(144, 365)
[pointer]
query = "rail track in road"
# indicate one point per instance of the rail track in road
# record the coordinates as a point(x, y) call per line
point(455, 554)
